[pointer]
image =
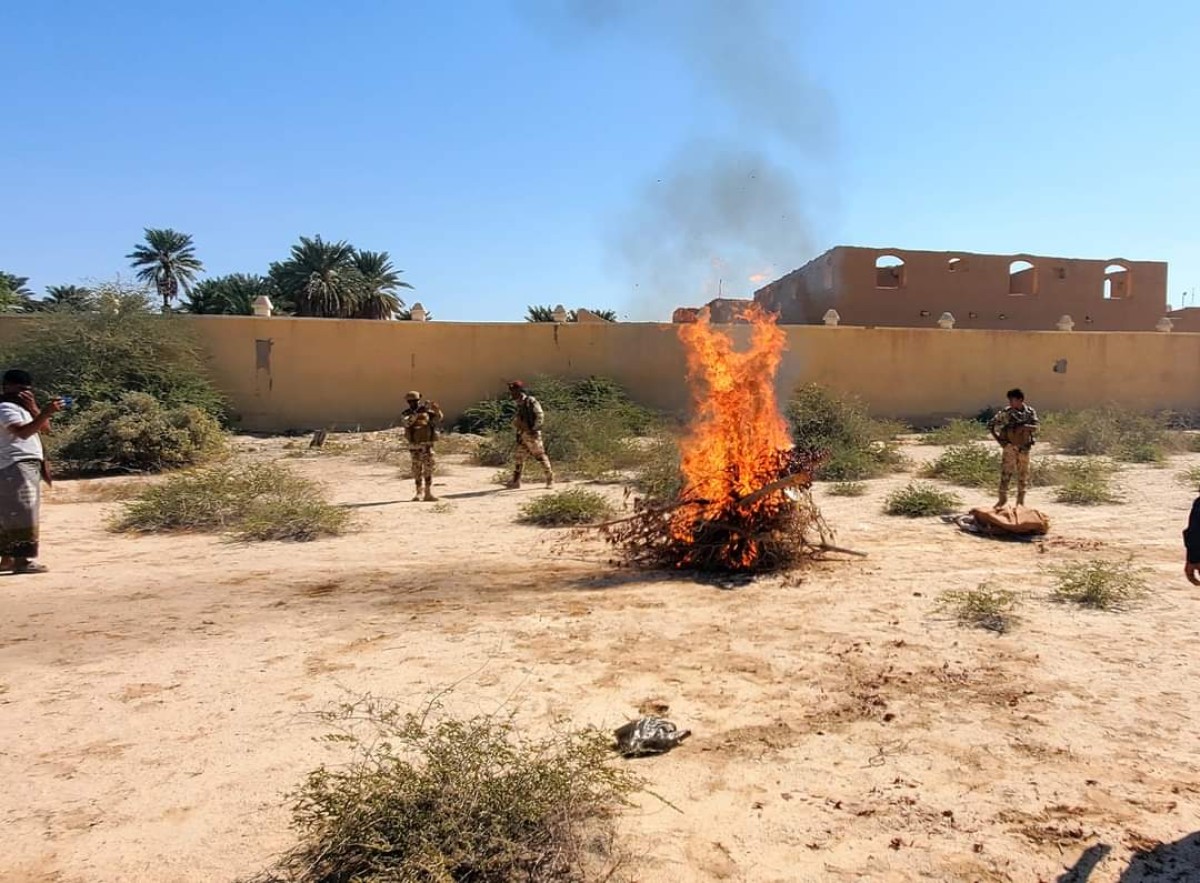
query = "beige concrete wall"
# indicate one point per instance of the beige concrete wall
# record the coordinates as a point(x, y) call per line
point(348, 373)
point(976, 288)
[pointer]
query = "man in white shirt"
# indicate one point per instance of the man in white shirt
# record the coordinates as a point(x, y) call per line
point(22, 468)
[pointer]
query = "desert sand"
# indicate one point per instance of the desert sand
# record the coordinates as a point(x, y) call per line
point(156, 693)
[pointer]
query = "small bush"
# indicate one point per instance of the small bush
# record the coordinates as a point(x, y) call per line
point(566, 507)
point(847, 489)
point(594, 395)
point(985, 607)
point(137, 434)
point(957, 431)
point(1100, 585)
point(1111, 432)
point(917, 500)
point(250, 501)
point(457, 443)
point(660, 477)
point(1087, 482)
point(428, 801)
point(1189, 477)
point(858, 446)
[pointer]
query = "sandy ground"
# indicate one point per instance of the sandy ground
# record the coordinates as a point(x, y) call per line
point(155, 692)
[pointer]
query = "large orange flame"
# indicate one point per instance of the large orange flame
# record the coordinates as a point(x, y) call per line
point(737, 436)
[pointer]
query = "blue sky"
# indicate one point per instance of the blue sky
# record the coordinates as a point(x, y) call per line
point(530, 151)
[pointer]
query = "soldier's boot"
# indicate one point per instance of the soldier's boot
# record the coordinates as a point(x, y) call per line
point(1020, 493)
point(515, 481)
point(549, 472)
point(1002, 501)
point(417, 495)
point(429, 497)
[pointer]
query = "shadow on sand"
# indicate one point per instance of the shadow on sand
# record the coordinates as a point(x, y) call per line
point(1175, 862)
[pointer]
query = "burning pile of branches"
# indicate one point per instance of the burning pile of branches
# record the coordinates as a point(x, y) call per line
point(744, 506)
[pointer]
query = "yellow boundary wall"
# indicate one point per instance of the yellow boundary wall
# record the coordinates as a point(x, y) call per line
point(283, 374)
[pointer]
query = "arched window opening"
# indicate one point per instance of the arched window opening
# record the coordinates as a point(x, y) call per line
point(1022, 278)
point(1116, 282)
point(889, 271)
point(956, 265)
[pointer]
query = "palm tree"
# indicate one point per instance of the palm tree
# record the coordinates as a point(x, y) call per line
point(537, 313)
point(320, 278)
point(380, 281)
point(15, 294)
point(68, 298)
point(231, 295)
point(169, 261)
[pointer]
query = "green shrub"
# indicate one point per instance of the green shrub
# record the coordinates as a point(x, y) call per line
point(254, 501)
point(917, 500)
point(566, 507)
point(1100, 585)
point(97, 357)
point(977, 465)
point(595, 395)
point(1087, 482)
point(858, 446)
point(435, 800)
point(956, 431)
point(1110, 432)
point(660, 476)
point(136, 433)
point(847, 489)
point(986, 607)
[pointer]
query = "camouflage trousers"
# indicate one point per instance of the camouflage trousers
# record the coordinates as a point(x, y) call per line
point(422, 464)
point(1014, 461)
point(529, 444)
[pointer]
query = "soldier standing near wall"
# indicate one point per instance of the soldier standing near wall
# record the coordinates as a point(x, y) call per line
point(528, 424)
point(421, 421)
point(1014, 428)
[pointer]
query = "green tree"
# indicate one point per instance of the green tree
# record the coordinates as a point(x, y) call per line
point(231, 295)
point(15, 294)
point(378, 299)
point(320, 279)
point(68, 298)
point(168, 260)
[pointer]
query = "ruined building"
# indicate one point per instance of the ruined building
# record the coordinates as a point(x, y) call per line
point(900, 288)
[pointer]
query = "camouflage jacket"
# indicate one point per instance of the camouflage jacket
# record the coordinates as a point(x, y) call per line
point(1014, 426)
point(421, 423)
point(529, 416)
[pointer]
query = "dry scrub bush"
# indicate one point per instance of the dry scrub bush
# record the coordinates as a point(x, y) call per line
point(137, 434)
point(1087, 482)
point(858, 445)
point(1110, 432)
point(956, 431)
point(1099, 585)
point(976, 465)
point(917, 500)
point(1189, 478)
point(573, 506)
point(847, 489)
point(250, 501)
point(986, 607)
point(439, 800)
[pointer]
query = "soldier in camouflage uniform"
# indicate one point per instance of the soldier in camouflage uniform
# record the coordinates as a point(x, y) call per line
point(528, 424)
point(421, 421)
point(1014, 428)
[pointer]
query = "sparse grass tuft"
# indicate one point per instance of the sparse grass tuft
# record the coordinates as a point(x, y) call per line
point(985, 607)
point(250, 501)
point(858, 445)
point(567, 507)
point(1087, 482)
point(661, 476)
point(1099, 585)
point(917, 500)
point(429, 798)
point(847, 489)
point(956, 431)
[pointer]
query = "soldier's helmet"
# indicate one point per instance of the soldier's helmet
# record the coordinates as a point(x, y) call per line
point(413, 396)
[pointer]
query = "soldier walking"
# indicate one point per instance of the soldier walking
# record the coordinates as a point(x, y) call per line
point(421, 421)
point(1014, 428)
point(528, 424)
